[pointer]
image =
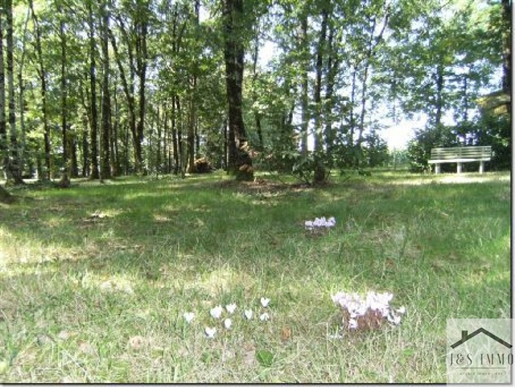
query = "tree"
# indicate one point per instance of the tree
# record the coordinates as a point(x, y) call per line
point(240, 163)
point(14, 164)
point(105, 144)
point(42, 74)
point(507, 58)
point(4, 156)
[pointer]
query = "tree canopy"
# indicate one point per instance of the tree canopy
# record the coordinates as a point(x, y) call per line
point(104, 88)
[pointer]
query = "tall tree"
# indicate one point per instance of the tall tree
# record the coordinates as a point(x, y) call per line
point(319, 170)
point(105, 143)
point(95, 173)
point(507, 55)
point(14, 166)
point(42, 73)
point(64, 100)
point(240, 162)
point(4, 156)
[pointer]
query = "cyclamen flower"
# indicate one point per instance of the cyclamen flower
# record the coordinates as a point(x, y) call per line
point(320, 222)
point(230, 308)
point(210, 332)
point(248, 314)
point(353, 324)
point(227, 323)
point(216, 312)
point(264, 317)
point(189, 316)
point(375, 306)
point(265, 301)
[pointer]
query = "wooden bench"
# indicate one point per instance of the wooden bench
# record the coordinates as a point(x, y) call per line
point(460, 155)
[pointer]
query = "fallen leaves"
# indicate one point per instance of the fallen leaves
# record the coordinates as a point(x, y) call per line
point(285, 334)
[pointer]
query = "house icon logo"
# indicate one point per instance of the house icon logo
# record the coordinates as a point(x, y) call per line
point(479, 351)
point(465, 336)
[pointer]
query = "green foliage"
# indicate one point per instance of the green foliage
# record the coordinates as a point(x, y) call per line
point(495, 130)
point(265, 358)
point(419, 149)
point(435, 57)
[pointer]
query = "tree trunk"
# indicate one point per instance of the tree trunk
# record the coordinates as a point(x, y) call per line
point(304, 85)
point(113, 146)
point(192, 113)
point(4, 150)
point(372, 44)
point(14, 162)
point(181, 167)
point(128, 89)
point(94, 114)
point(332, 69)
point(240, 162)
point(439, 95)
point(175, 141)
point(319, 168)
point(507, 33)
point(42, 75)
point(141, 28)
point(105, 164)
point(64, 107)
point(21, 93)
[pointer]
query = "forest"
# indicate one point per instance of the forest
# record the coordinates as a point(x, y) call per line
point(105, 88)
point(311, 252)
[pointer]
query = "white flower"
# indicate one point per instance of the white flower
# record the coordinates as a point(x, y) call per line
point(396, 320)
point(248, 314)
point(401, 310)
point(227, 323)
point(216, 312)
point(210, 332)
point(264, 317)
point(189, 316)
point(308, 225)
point(230, 308)
point(353, 324)
point(265, 301)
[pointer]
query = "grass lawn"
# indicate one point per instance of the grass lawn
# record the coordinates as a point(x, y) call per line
point(95, 279)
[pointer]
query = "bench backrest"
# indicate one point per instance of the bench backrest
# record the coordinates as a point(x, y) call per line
point(479, 153)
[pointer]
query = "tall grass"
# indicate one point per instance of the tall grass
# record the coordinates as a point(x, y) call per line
point(95, 279)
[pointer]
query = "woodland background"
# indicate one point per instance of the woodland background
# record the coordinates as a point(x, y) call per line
point(105, 88)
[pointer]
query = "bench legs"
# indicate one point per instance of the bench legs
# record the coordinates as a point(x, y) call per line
point(459, 167)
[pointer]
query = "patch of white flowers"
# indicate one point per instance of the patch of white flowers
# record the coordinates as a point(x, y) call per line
point(218, 311)
point(369, 312)
point(320, 223)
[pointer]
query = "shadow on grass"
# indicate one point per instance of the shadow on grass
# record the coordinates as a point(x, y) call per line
point(142, 224)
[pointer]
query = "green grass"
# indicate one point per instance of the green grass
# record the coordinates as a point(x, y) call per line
point(94, 279)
